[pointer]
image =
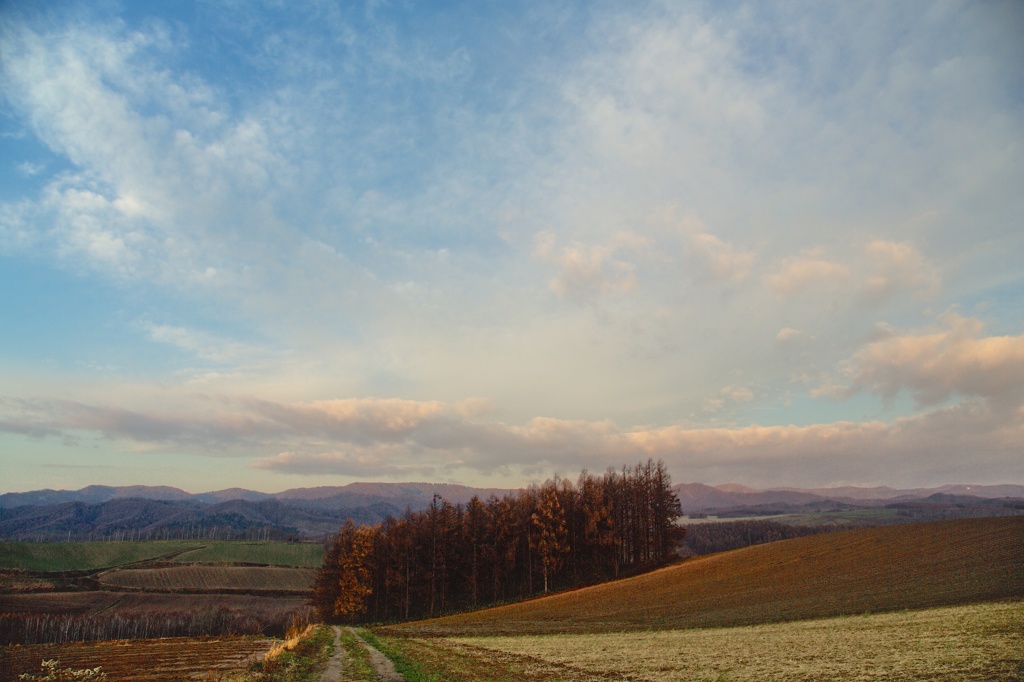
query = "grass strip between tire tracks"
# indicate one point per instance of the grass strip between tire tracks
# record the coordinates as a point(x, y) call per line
point(412, 669)
point(358, 667)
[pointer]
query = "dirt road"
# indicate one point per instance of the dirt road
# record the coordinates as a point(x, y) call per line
point(384, 668)
point(381, 664)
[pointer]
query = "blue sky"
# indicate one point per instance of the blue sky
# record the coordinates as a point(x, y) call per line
point(273, 245)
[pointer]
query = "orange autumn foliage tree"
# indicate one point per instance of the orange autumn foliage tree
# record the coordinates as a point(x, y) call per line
point(344, 583)
point(549, 533)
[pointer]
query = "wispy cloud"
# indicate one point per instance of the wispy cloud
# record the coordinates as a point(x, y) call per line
point(588, 272)
point(897, 267)
point(807, 271)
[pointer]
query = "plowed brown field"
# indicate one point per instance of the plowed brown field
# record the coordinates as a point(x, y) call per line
point(869, 570)
point(148, 660)
point(198, 577)
point(93, 603)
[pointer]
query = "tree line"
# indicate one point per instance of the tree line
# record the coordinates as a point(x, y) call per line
point(448, 557)
point(722, 536)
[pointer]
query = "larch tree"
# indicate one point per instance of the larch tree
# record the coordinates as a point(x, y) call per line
point(548, 538)
point(345, 583)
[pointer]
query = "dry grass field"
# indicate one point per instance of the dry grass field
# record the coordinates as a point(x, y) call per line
point(869, 570)
point(198, 577)
point(972, 642)
point(151, 660)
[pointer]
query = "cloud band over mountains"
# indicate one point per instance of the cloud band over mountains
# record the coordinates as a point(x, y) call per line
point(432, 439)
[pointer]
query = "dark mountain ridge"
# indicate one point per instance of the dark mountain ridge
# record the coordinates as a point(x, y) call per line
point(167, 519)
point(698, 497)
point(414, 495)
point(151, 512)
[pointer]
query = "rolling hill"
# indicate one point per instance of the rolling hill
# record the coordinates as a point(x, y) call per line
point(852, 572)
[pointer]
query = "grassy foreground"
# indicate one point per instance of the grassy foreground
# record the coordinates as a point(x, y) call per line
point(87, 556)
point(973, 642)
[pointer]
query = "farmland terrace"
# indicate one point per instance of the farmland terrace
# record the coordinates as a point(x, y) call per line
point(140, 590)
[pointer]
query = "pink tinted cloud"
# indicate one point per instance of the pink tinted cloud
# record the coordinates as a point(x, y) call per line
point(953, 359)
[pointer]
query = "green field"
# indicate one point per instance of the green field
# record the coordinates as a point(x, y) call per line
point(89, 556)
point(308, 554)
point(206, 577)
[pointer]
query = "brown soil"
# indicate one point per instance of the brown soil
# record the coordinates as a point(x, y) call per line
point(148, 660)
point(91, 603)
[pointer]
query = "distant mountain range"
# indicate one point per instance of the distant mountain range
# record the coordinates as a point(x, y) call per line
point(149, 512)
point(697, 497)
point(415, 495)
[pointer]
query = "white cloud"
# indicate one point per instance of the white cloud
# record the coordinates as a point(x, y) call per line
point(723, 260)
point(954, 358)
point(895, 267)
point(789, 335)
point(738, 394)
point(586, 272)
point(29, 169)
point(204, 346)
point(166, 182)
point(808, 271)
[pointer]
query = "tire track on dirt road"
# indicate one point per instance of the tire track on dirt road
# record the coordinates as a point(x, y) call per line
point(382, 665)
point(337, 662)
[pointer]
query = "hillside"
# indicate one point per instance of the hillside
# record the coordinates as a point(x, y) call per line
point(852, 572)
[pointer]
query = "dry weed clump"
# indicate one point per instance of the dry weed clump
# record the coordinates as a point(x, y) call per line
point(974, 642)
point(295, 634)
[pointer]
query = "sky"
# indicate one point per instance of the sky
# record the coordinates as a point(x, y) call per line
point(290, 244)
